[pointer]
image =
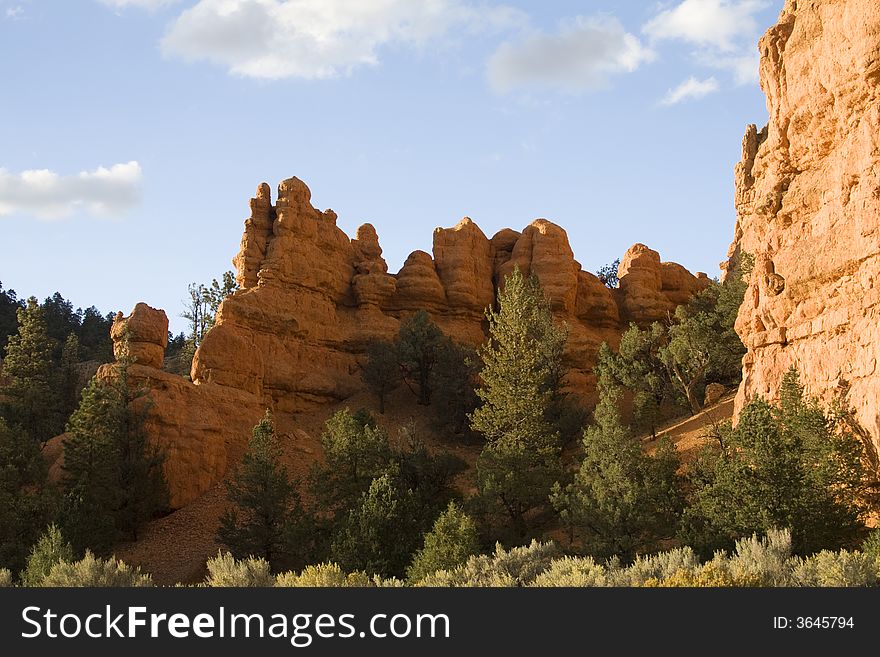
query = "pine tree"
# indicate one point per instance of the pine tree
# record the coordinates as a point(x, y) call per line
point(113, 476)
point(379, 534)
point(382, 370)
point(418, 345)
point(268, 520)
point(449, 543)
point(48, 551)
point(522, 377)
point(356, 451)
point(25, 501)
point(637, 367)
point(622, 500)
point(453, 381)
point(791, 466)
point(29, 401)
point(68, 376)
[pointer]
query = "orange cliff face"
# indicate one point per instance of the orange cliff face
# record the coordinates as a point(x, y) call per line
point(312, 299)
point(808, 204)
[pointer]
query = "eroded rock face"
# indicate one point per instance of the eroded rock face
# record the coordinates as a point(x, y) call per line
point(200, 428)
point(809, 208)
point(296, 330)
point(311, 301)
point(144, 333)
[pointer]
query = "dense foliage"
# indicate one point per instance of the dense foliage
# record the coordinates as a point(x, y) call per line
point(521, 379)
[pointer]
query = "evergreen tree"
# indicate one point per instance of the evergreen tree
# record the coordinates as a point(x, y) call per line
point(454, 381)
point(782, 466)
point(48, 551)
point(267, 520)
point(68, 376)
point(449, 544)
point(25, 502)
point(29, 400)
point(203, 303)
point(637, 367)
point(94, 336)
point(355, 452)
point(622, 500)
point(382, 370)
point(9, 306)
point(379, 534)
point(521, 376)
point(607, 274)
point(113, 476)
point(418, 347)
point(427, 476)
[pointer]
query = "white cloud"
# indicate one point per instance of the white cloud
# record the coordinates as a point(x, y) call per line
point(745, 67)
point(15, 13)
point(143, 4)
point(720, 24)
point(579, 57)
point(48, 195)
point(273, 39)
point(690, 89)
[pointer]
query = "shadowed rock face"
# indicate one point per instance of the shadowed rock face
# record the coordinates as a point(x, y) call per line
point(312, 299)
point(808, 204)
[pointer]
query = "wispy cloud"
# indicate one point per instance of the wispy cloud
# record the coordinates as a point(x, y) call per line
point(579, 57)
point(274, 39)
point(690, 89)
point(724, 33)
point(15, 13)
point(47, 195)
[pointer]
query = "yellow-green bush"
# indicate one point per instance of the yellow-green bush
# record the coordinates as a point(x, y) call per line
point(94, 571)
point(224, 570)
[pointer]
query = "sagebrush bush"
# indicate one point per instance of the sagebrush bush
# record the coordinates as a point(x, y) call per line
point(768, 558)
point(93, 571)
point(841, 568)
point(323, 575)
point(572, 571)
point(711, 575)
point(518, 566)
point(225, 570)
point(656, 566)
point(5, 578)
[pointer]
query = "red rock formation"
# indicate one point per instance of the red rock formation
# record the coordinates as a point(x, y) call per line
point(311, 300)
point(809, 208)
point(144, 334)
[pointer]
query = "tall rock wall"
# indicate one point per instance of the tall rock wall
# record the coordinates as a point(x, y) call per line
point(808, 204)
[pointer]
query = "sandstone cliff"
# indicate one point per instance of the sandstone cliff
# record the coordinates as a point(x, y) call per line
point(312, 299)
point(808, 204)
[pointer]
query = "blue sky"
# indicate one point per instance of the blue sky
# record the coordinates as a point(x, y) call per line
point(133, 132)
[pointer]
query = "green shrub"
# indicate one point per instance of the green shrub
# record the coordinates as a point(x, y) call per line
point(451, 541)
point(323, 575)
point(519, 566)
point(841, 568)
point(225, 570)
point(656, 566)
point(711, 575)
point(48, 551)
point(572, 571)
point(768, 558)
point(93, 571)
